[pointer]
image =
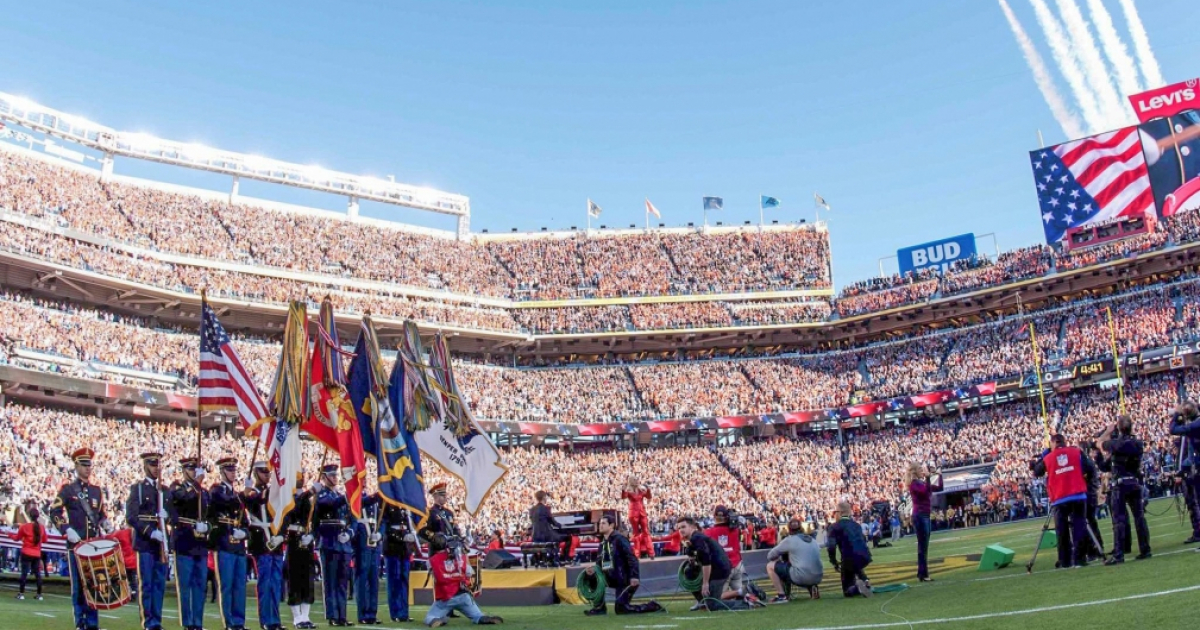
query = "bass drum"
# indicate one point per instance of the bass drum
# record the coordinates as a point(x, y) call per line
point(102, 573)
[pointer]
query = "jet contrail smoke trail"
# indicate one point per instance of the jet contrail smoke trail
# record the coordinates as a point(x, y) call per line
point(1094, 68)
point(1041, 75)
point(1141, 45)
point(1069, 66)
point(1114, 49)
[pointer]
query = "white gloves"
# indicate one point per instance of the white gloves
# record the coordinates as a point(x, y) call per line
point(343, 538)
point(202, 528)
point(199, 474)
point(275, 541)
point(306, 540)
point(410, 537)
point(157, 535)
point(375, 538)
point(317, 487)
point(162, 514)
point(249, 485)
point(239, 534)
point(73, 536)
point(106, 525)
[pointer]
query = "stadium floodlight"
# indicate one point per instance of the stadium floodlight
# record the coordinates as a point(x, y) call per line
point(39, 118)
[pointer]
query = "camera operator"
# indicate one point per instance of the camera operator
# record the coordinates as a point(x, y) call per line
point(1125, 462)
point(1185, 424)
point(726, 530)
point(1092, 476)
point(1066, 470)
point(709, 559)
point(621, 570)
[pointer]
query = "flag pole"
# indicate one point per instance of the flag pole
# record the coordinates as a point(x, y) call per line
point(1037, 366)
point(588, 211)
point(760, 210)
point(1112, 333)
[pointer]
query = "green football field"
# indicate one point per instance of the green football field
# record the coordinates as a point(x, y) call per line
point(1155, 593)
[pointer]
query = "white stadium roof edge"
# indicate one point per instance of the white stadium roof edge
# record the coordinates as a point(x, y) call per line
point(110, 142)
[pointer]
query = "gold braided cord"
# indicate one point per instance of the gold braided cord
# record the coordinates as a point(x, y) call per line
point(289, 398)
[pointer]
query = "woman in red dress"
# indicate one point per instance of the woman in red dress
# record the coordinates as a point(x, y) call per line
point(639, 523)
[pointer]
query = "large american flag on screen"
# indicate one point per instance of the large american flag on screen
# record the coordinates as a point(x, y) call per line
point(225, 385)
point(1092, 180)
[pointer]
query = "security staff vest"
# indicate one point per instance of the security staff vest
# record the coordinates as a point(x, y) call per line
point(1064, 474)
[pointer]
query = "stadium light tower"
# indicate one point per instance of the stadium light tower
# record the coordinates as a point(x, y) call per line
point(143, 146)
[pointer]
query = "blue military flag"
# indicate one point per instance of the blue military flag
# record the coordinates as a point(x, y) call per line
point(714, 203)
point(397, 461)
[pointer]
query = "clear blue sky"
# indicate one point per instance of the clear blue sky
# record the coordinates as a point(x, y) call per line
point(912, 118)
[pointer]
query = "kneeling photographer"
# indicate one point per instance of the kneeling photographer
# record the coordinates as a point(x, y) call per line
point(621, 571)
point(1185, 423)
point(1125, 463)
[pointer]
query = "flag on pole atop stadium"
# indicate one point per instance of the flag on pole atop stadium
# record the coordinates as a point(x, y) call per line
point(1092, 180)
point(225, 385)
point(593, 210)
point(766, 202)
point(650, 209)
point(713, 203)
point(820, 201)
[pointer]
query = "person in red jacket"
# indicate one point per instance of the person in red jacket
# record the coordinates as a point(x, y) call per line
point(729, 537)
point(768, 536)
point(31, 535)
point(452, 586)
point(639, 523)
point(673, 544)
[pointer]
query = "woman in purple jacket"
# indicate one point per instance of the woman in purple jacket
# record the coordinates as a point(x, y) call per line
point(921, 492)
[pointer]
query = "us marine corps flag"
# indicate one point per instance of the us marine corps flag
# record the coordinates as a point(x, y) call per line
point(332, 420)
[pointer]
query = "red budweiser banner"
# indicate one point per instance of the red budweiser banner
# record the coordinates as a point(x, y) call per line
point(1166, 101)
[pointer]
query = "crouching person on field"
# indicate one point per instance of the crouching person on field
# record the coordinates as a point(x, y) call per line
point(796, 561)
point(621, 571)
point(452, 586)
point(846, 536)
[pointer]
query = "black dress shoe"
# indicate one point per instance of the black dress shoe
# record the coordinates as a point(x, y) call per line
point(596, 612)
point(401, 619)
point(1143, 556)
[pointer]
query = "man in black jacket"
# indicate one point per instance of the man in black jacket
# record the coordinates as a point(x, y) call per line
point(712, 561)
point(543, 525)
point(846, 536)
point(621, 571)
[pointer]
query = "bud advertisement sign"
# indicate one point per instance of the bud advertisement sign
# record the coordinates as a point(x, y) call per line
point(936, 253)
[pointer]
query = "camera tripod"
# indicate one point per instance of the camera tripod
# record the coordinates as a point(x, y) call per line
point(1042, 535)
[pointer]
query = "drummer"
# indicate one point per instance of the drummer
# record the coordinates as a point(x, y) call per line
point(78, 512)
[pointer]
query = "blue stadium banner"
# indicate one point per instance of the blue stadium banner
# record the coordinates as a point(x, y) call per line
point(936, 253)
point(714, 203)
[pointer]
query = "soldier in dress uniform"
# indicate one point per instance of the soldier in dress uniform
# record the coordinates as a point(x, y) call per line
point(366, 561)
point(334, 527)
point(300, 567)
point(78, 512)
point(146, 513)
point(230, 535)
point(189, 537)
point(266, 548)
point(398, 542)
point(441, 519)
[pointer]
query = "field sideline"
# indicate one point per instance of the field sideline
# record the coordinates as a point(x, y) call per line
point(1149, 593)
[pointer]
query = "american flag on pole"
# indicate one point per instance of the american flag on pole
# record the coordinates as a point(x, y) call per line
point(225, 385)
point(1092, 180)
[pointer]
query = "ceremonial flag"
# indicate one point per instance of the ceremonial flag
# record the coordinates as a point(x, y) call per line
point(385, 439)
point(333, 421)
point(765, 202)
point(593, 210)
point(1092, 180)
point(650, 209)
point(289, 406)
point(820, 201)
point(713, 203)
point(225, 385)
point(442, 425)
